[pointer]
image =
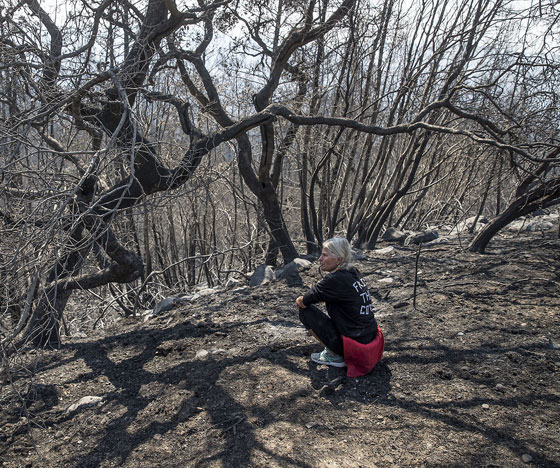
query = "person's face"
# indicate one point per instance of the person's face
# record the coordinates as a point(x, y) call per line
point(328, 261)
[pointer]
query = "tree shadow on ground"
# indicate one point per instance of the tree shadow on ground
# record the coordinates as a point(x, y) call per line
point(460, 414)
point(129, 376)
point(234, 424)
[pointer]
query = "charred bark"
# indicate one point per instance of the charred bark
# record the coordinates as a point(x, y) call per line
point(545, 195)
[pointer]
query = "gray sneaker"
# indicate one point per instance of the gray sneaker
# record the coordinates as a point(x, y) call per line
point(328, 358)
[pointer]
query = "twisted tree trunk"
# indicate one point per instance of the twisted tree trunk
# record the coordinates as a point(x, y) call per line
point(545, 195)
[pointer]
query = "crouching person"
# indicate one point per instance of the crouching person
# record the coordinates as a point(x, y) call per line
point(350, 332)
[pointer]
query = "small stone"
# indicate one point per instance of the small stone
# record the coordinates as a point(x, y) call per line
point(385, 251)
point(460, 334)
point(499, 387)
point(201, 354)
point(310, 425)
point(163, 306)
point(485, 406)
point(157, 436)
point(84, 403)
point(359, 255)
point(394, 235)
point(385, 280)
point(526, 458)
point(421, 237)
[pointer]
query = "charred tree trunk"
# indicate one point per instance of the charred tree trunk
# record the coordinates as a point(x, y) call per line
point(43, 329)
point(545, 195)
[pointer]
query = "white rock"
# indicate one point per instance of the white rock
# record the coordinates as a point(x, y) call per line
point(201, 354)
point(526, 458)
point(441, 240)
point(385, 280)
point(302, 263)
point(384, 251)
point(203, 292)
point(84, 402)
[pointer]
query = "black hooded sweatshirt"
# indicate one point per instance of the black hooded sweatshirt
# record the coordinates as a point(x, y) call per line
point(348, 302)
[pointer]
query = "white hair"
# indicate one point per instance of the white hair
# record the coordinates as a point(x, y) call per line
point(340, 247)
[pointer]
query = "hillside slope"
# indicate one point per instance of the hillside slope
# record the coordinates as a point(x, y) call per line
point(469, 378)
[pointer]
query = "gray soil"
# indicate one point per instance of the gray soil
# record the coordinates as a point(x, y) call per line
point(469, 377)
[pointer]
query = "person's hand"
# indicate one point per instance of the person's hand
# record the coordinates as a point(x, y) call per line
point(299, 302)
